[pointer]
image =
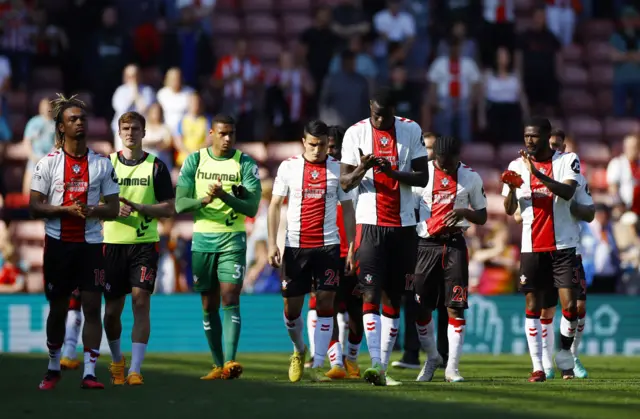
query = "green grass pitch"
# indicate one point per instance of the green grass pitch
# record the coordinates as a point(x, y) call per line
point(496, 387)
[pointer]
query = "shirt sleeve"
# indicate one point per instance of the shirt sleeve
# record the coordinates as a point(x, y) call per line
point(613, 172)
point(350, 154)
point(409, 26)
point(477, 197)
point(433, 75)
point(31, 130)
point(187, 176)
point(570, 167)
point(346, 196)
point(109, 184)
point(514, 167)
point(474, 72)
point(250, 174)
point(162, 186)
point(583, 194)
point(418, 149)
point(41, 178)
point(280, 184)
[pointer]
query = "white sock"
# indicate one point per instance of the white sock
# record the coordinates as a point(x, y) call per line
point(137, 356)
point(335, 354)
point(116, 353)
point(312, 319)
point(455, 334)
point(353, 350)
point(90, 359)
point(54, 357)
point(568, 330)
point(533, 330)
point(548, 343)
point(343, 329)
point(427, 338)
point(578, 337)
point(389, 334)
point(372, 334)
point(294, 327)
point(71, 334)
point(322, 338)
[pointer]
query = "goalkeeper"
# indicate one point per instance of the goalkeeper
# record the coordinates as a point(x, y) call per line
point(220, 185)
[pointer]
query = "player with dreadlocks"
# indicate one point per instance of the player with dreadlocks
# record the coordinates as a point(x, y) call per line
point(66, 188)
point(453, 198)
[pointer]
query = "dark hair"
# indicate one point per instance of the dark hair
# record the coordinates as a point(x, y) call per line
point(223, 119)
point(347, 55)
point(539, 122)
point(557, 132)
point(316, 128)
point(447, 146)
point(337, 133)
point(384, 97)
point(60, 105)
point(429, 134)
point(129, 117)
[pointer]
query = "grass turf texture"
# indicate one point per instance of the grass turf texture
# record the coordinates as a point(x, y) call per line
point(496, 387)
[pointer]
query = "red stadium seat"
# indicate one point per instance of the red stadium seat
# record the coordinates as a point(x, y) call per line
point(585, 129)
point(103, 147)
point(17, 151)
point(12, 175)
point(261, 24)
point(227, 5)
point(598, 179)
point(598, 53)
point(574, 76)
point(601, 76)
point(258, 5)
point(615, 129)
point(596, 30)
point(490, 178)
point(87, 98)
point(98, 127)
point(524, 6)
point(255, 149)
point(17, 102)
point(295, 24)
point(265, 49)
point(507, 153)
point(225, 45)
point(572, 54)
point(27, 231)
point(578, 102)
point(17, 122)
point(46, 77)
point(37, 96)
point(473, 153)
point(281, 151)
point(226, 24)
point(295, 5)
point(593, 153)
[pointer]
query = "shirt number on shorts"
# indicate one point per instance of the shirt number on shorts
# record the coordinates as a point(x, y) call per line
point(239, 271)
point(460, 294)
point(98, 277)
point(147, 275)
point(332, 278)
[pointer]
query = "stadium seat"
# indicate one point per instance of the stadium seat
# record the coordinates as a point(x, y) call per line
point(596, 30)
point(574, 76)
point(17, 102)
point(227, 5)
point(17, 151)
point(87, 98)
point(577, 102)
point(601, 76)
point(256, 150)
point(281, 151)
point(524, 6)
point(474, 153)
point(490, 178)
point(615, 129)
point(507, 153)
point(598, 53)
point(98, 127)
point(226, 24)
point(295, 5)
point(27, 231)
point(598, 179)
point(593, 153)
point(258, 5)
point(265, 49)
point(37, 96)
point(13, 175)
point(32, 255)
point(225, 45)
point(295, 24)
point(261, 24)
point(103, 147)
point(585, 129)
point(572, 54)
point(17, 123)
point(46, 77)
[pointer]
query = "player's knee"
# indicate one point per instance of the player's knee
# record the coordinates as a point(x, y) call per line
point(230, 298)
point(58, 308)
point(570, 309)
point(370, 296)
point(325, 301)
point(455, 312)
point(547, 313)
point(141, 302)
point(390, 311)
point(582, 308)
point(532, 304)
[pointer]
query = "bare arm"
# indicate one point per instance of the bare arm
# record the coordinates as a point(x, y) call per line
point(418, 177)
point(40, 209)
point(564, 190)
point(351, 176)
point(478, 217)
point(164, 209)
point(273, 219)
point(583, 212)
point(349, 219)
point(517, 216)
point(510, 202)
point(107, 211)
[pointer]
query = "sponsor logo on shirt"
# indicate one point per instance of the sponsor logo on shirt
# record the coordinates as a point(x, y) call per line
point(135, 181)
point(223, 177)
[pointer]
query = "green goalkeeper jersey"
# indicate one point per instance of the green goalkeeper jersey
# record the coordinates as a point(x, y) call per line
point(220, 225)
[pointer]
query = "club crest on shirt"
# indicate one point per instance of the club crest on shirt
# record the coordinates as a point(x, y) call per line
point(523, 279)
point(368, 278)
point(384, 141)
point(444, 182)
point(314, 175)
point(75, 168)
point(543, 170)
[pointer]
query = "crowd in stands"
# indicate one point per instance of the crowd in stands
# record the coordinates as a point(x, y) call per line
point(470, 68)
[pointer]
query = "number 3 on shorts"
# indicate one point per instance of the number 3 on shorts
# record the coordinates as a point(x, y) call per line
point(239, 271)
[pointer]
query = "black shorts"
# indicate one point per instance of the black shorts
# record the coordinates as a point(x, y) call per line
point(128, 266)
point(540, 271)
point(71, 265)
point(386, 257)
point(349, 292)
point(303, 268)
point(550, 295)
point(442, 272)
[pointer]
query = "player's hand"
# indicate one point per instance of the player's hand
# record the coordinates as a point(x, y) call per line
point(383, 165)
point(368, 160)
point(350, 265)
point(512, 179)
point(274, 256)
point(215, 190)
point(526, 158)
point(239, 191)
point(78, 209)
point(128, 207)
point(453, 217)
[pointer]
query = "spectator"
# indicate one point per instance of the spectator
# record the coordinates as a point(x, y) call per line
point(539, 62)
point(193, 130)
point(158, 139)
point(394, 25)
point(110, 52)
point(321, 42)
point(454, 87)
point(468, 46)
point(5, 78)
point(561, 17)
point(202, 11)
point(497, 258)
point(51, 41)
point(626, 58)
point(407, 93)
point(602, 251)
point(239, 75)
point(345, 95)
point(365, 65)
point(130, 96)
point(174, 98)
point(17, 38)
point(290, 88)
point(623, 175)
point(349, 20)
point(5, 132)
point(506, 101)
point(39, 138)
point(11, 275)
point(499, 28)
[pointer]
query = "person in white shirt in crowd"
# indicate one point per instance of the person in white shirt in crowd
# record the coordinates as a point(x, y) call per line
point(454, 87)
point(39, 138)
point(623, 175)
point(174, 98)
point(132, 95)
point(158, 139)
point(604, 250)
point(561, 19)
point(395, 25)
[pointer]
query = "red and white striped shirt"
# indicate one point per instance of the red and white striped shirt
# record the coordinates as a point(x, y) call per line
point(547, 223)
point(248, 70)
point(313, 191)
point(382, 200)
point(499, 11)
point(63, 178)
point(445, 193)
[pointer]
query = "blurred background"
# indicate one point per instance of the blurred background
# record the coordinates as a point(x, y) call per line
point(471, 68)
